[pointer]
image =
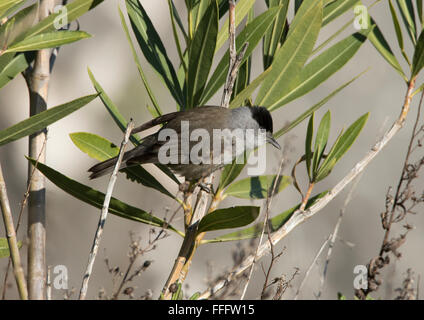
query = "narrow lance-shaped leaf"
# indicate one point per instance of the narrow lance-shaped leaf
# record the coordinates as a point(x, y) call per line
point(420, 11)
point(314, 108)
point(42, 120)
point(248, 91)
point(156, 111)
point(272, 37)
point(17, 65)
point(320, 142)
point(379, 42)
point(73, 10)
point(200, 54)
point(96, 198)
point(322, 67)
point(291, 57)
point(232, 171)
point(418, 60)
point(308, 145)
point(341, 146)
point(9, 6)
point(228, 218)
point(406, 9)
point(111, 108)
point(255, 231)
point(252, 34)
point(18, 24)
point(102, 149)
point(153, 49)
point(47, 40)
point(336, 9)
point(258, 187)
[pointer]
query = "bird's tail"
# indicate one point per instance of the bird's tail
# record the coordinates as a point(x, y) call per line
point(107, 166)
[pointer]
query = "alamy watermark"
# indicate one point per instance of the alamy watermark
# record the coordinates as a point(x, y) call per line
point(221, 146)
point(361, 17)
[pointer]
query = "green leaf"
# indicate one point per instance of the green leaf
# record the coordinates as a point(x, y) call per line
point(406, 9)
point(121, 122)
point(242, 9)
point(258, 187)
point(336, 9)
point(102, 149)
point(320, 142)
point(47, 40)
point(396, 25)
point(112, 109)
point(314, 108)
point(340, 147)
point(255, 231)
point(291, 57)
point(4, 247)
point(156, 111)
point(248, 91)
point(308, 145)
point(195, 296)
point(420, 11)
point(418, 60)
point(18, 25)
point(7, 7)
point(200, 55)
point(153, 49)
point(322, 67)
point(232, 171)
point(377, 39)
point(17, 65)
point(228, 218)
point(42, 120)
point(272, 37)
point(252, 34)
point(96, 198)
point(74, 10)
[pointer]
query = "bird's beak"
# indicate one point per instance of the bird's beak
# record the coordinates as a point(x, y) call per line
point(270, 139)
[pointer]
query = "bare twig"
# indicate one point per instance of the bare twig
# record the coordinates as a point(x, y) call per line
point(103, 216)
point(314, 261)
point(335, 234)
point(21, 211)
point(11, 239)
point(299, 217)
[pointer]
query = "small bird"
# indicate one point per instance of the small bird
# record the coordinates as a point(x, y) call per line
point(202, 120)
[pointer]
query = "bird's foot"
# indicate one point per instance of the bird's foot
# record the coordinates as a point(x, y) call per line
point(207, 187)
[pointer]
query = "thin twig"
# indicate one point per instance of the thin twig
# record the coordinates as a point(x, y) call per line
point(103, 216)
point(314, 261)
point(11, 239)
point(299, 217)
point(335, 234)
point(265, 226)
point(21, 211)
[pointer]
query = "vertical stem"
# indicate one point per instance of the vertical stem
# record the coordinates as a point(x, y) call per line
point(38, 83)
point(11, 239)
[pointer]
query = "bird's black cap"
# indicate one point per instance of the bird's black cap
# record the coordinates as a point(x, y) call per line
point(263, 117)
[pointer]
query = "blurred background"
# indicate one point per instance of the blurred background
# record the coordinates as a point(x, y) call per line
point(71, 224)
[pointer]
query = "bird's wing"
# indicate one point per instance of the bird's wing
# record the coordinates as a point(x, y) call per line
point(159, 120)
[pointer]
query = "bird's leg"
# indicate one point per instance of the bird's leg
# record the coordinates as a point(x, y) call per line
point(207, 187)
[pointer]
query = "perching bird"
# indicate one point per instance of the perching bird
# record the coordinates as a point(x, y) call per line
point(188, 127)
